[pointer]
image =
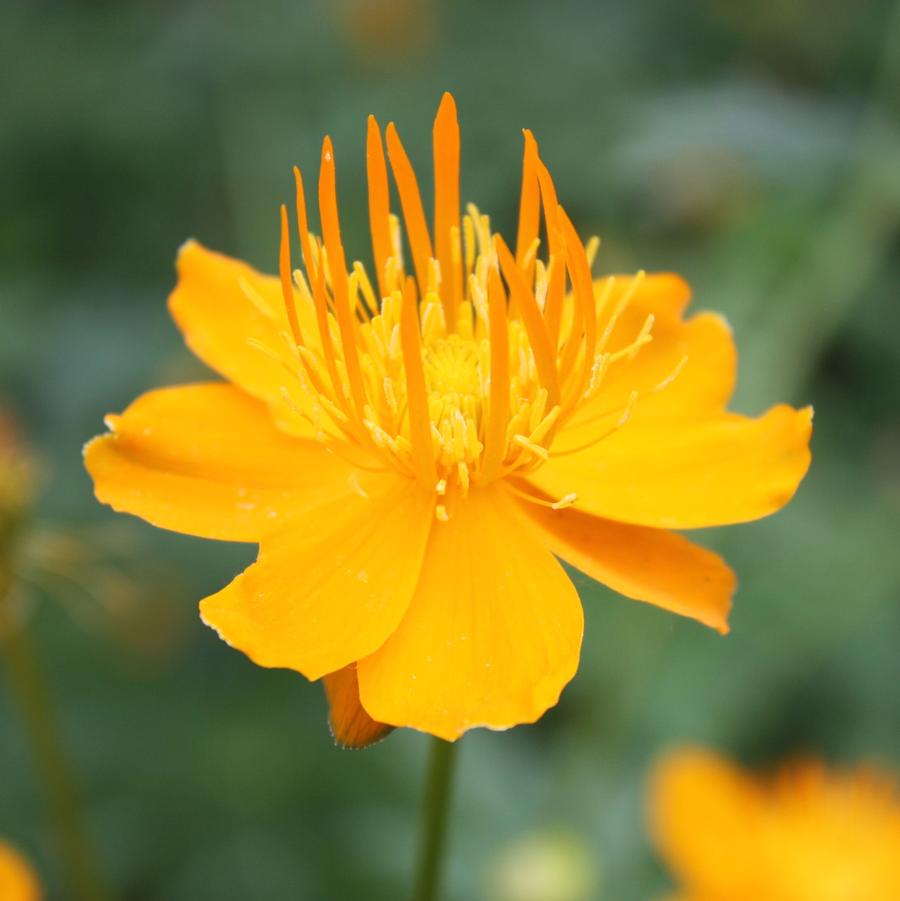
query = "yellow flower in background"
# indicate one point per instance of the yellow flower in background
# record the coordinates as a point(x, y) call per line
point(17, 880)
point(413, 449)
point(801, 834)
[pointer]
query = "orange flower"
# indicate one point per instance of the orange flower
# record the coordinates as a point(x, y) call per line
point(411, 453)
point(803, 834)
point(17, 880)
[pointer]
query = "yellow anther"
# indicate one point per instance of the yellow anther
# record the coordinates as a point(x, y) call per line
point(353, 479)
point(536, 449)
point(256, 298)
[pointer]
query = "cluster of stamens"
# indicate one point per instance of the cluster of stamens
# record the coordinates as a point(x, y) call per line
point(464, 373)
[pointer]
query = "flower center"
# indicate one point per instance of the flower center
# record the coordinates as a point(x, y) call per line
point(455, 382)
point(464, 372)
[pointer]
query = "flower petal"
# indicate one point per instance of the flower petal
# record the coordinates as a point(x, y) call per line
point(233, 318)
point(492, 635)
point(688, 365)
point(330, 588)
point(687, 472)
point(350, 725)
point(206, 460)
point(649, 565)
point(705, 816)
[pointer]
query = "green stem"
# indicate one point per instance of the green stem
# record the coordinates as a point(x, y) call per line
point(27, 687)
point(441, 760)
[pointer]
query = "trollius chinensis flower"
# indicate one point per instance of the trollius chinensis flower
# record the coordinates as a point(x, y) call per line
point(803, 832)
point(416, 444)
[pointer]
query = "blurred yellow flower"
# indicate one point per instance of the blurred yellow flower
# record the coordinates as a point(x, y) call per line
point(18, 881)
point(412, 452)
point(801, 834)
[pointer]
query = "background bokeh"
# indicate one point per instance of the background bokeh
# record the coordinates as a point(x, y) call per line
point(754, 147)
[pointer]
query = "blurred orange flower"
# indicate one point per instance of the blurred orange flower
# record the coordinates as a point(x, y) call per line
point(802, 834)
point(17, 880)
point(412, 453)
point(387, 32)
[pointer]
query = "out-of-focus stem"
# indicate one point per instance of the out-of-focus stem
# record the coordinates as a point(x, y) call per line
point(30, 694)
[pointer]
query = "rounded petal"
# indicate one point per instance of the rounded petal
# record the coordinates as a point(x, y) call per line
point(233, 318)
point(350, 725)
point(330, 588)
point(206, 460)
point(644, 564)
point(687, 472)
point(492, 635)
point(705, 816)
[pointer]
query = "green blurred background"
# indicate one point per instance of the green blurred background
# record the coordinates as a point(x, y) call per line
point(754, 147)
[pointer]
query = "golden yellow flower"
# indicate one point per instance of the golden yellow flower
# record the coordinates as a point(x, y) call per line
point(801, 834)
point(17, 880)
point(411, 452)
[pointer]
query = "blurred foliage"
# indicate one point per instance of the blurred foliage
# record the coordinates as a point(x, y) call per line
point(752, 147)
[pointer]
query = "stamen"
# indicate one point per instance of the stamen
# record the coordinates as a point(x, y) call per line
point(256, 298)
point(531, 318)
point(623, 419)
point(624, 300)
point(498, 404)
point(679, 366)
point(469, 240)
point(561, 504)
point(371, 304)
point(284, 268)
point(643, 337)
point(419, 421)
point(353, 479)
point(462, 471)
point(536, 449)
